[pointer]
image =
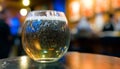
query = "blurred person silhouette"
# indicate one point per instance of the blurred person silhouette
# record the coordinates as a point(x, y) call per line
point(5, 43)
point(83, 27)
point(117, 25)
point(84, 24)
point(99, 23)
point(116, 19)
point(109, 28)
point(82, 32)
point(108, 20)
point(93, 26)
point(15, 27)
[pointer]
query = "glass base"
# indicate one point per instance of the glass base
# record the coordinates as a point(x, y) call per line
point(46, 60)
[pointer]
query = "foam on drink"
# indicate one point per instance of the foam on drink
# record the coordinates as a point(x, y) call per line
point(46, 18)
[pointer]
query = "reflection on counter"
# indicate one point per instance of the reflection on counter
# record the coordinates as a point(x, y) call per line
point(73, 60)
point(24, 62)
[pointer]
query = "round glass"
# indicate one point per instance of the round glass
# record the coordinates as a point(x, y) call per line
point(45, 35)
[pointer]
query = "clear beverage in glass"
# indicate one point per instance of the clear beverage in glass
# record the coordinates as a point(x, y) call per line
point(45, 35)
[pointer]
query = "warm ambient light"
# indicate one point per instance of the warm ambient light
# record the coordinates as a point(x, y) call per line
point(23, 12)
point(1, 8)
point(87, 3)
point(26, 2)
point(75, 6)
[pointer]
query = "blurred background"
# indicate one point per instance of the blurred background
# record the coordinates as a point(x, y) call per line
point(94, 24)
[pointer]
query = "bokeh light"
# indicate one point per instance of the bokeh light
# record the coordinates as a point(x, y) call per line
point(26, 2)
point(23, 12)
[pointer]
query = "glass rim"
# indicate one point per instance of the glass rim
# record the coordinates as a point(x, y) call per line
point(46, 14)
point(46, 11)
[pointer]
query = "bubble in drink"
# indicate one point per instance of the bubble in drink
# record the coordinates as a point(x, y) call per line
point(45, 39)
